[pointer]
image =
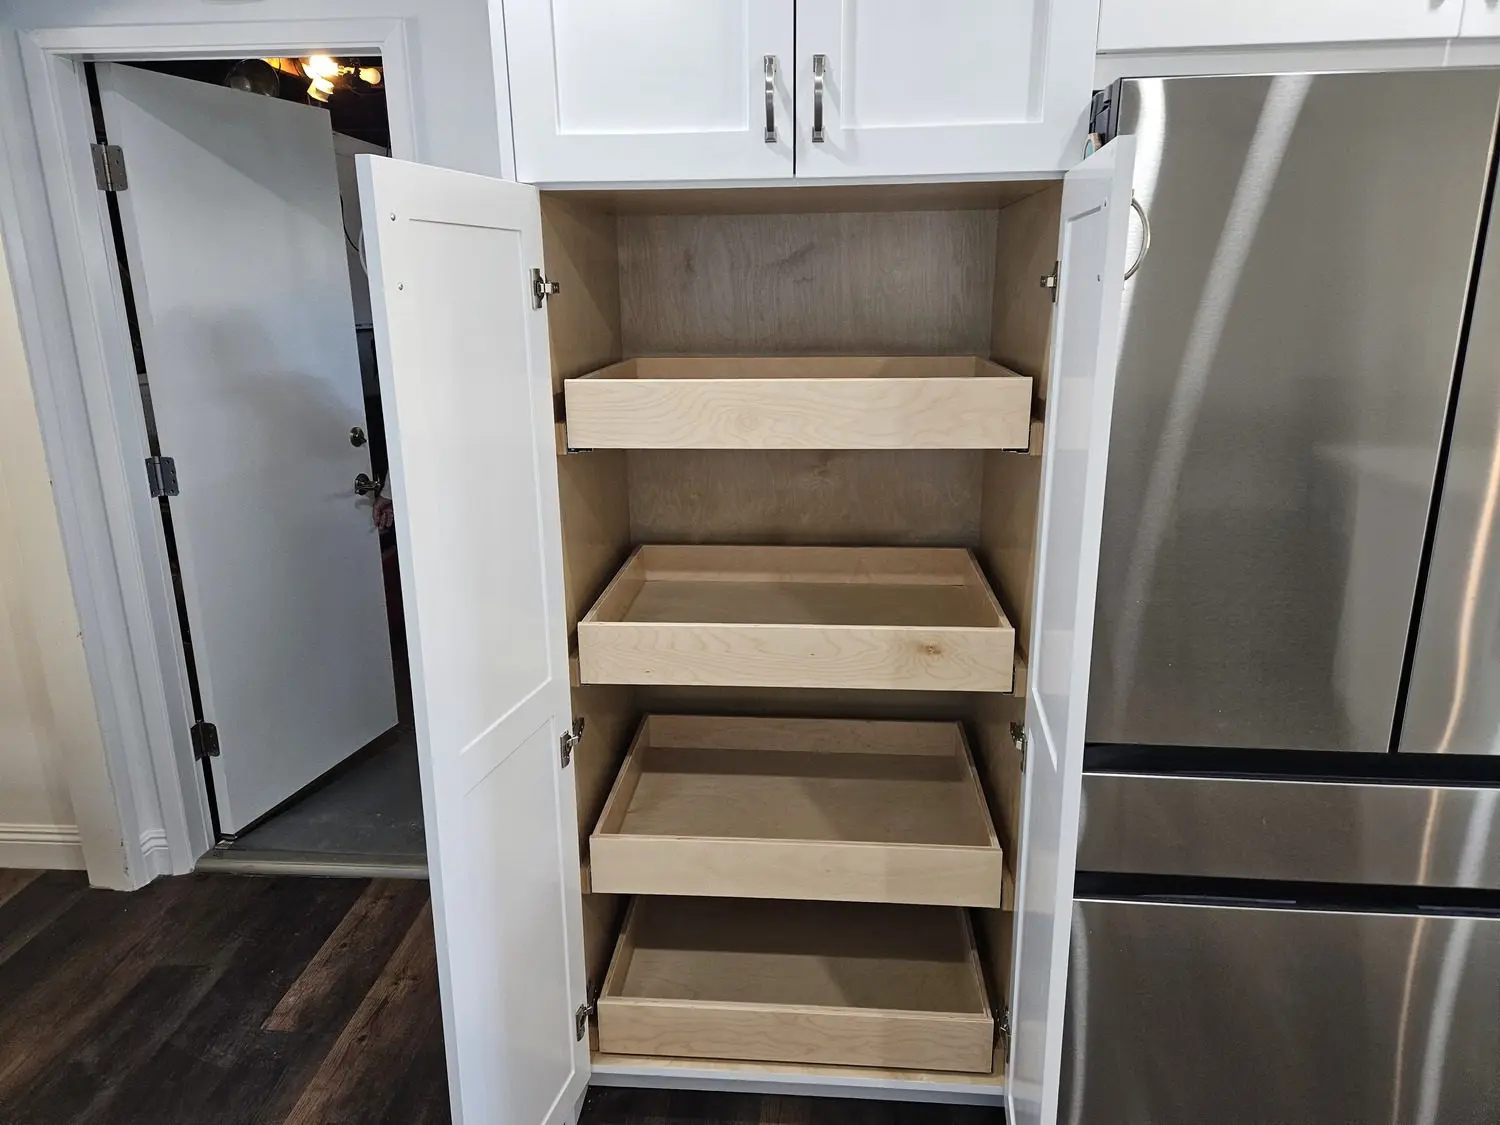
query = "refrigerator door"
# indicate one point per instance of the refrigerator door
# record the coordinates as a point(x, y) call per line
point(1453, 705)
point(1288, 349)
point(1186, 1014)
point(1313, 831)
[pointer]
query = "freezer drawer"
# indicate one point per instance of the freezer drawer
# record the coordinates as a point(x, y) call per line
point(1307, 831)
point(1188, 1014)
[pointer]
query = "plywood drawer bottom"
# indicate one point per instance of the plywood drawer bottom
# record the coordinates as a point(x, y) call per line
point(856, 984)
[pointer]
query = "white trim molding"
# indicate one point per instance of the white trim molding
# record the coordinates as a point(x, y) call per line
point(141, 805)
point(53, 847)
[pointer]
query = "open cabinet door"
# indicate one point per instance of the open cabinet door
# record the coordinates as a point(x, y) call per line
point(1085, 346)
point(466, 389)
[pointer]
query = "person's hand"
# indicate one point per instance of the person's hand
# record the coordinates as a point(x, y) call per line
point(383, 513)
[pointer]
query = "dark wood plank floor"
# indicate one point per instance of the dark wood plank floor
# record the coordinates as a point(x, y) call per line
point(216, 999)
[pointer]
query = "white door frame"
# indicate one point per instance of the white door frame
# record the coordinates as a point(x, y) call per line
point(141, 807)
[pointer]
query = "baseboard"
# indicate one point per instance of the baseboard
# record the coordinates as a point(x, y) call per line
point(156, 853)
point(55, 847)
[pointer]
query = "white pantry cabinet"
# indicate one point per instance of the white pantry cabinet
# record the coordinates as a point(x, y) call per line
point(702, 90)
point(1155, 25)
point(954, 87)
point(778, 673)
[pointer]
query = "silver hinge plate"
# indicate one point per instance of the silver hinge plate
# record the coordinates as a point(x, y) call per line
point(1022, 740)
point(109, 167)
point(541, 289)
point(580, 1022)
point(1002, 1027)
point(1052, 280)
point(205, 741)
point(569, 741)
point(161, 476)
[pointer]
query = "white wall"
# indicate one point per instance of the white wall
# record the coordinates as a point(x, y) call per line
point(46, 707)
point(460, 115)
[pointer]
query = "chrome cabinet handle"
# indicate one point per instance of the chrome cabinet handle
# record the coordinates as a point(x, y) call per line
point(820, 69)
point(770, 63)
point(1140, 256)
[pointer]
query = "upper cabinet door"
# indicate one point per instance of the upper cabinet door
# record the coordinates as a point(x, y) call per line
point(957, 87)
point(1150, 25)
point(660, 90)
point(1481, 19)
point(1080, 405)
point(465, 383)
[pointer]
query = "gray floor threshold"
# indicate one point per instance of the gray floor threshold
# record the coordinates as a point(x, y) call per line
point(246, 861)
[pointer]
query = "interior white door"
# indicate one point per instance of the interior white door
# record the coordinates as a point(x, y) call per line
point(236, 254)
point(1085, 347)
point(466, 386)
point(961, 87)
point(1481, 19)
point(662, 90)
point(1154, 25)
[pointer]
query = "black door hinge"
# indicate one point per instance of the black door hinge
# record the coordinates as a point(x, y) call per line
point(569, 741)
point(161, 476)
point(205, 741)
point(109, 167)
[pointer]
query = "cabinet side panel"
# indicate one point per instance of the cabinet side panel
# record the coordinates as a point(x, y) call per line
point(580, 247)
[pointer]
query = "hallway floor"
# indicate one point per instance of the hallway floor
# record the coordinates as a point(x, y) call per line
point(236, 1000)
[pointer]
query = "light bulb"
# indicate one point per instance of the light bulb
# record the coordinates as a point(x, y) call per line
point(320, 89)
point(321, 66)
point(370, 75)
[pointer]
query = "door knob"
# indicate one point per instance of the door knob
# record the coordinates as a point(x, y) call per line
point(364, 486)
point(356, 436)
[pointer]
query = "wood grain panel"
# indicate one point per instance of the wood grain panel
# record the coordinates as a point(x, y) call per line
point(914, 282)
point(807, 199)
point(800, 402)
point(915, 498)
point(1025, 250)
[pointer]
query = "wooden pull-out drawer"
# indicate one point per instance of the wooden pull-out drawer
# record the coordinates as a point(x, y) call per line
point(913, 618)
point(834, 809)
point(800, 402)
point(808, 982)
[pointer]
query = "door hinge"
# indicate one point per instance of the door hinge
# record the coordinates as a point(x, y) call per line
point(109, 167)
point(1002, 1028)
point(1052, 280)
point(205, 741)
point(589, 1007)
point(1022, 740)
point(161, 476)
point(541, 289)
point(569, 741)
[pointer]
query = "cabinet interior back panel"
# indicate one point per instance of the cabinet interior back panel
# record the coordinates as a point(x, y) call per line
point(894, 498)
point(906, 282)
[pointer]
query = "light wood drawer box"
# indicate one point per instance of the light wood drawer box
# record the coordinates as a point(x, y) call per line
point(833, 809)
point(858, 984)
point(910, 618)
point(800, 402)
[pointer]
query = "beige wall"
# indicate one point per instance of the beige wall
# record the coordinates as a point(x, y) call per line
point(46, 706)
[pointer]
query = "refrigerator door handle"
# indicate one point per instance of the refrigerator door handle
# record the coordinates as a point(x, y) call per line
point(1140, 255)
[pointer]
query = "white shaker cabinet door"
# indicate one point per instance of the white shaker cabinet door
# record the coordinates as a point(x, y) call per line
point(1481, 19)
point(1085, 345)
point(950, 87)
point(466, 386)
point(1153, 25)
point(604, 92)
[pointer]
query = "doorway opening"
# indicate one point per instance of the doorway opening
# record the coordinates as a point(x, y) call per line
point(237, 233)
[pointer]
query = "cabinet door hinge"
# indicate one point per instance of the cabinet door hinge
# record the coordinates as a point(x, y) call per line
point(1052, 280)
point(569, 740)
point(109, 167)
point(1002, 1028)
point(161, 476)
point(1022, 740)
point(205, 741)
point(541, 289)
point(589, 1007)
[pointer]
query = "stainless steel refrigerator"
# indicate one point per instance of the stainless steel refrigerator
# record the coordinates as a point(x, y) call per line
point(1288, 892)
